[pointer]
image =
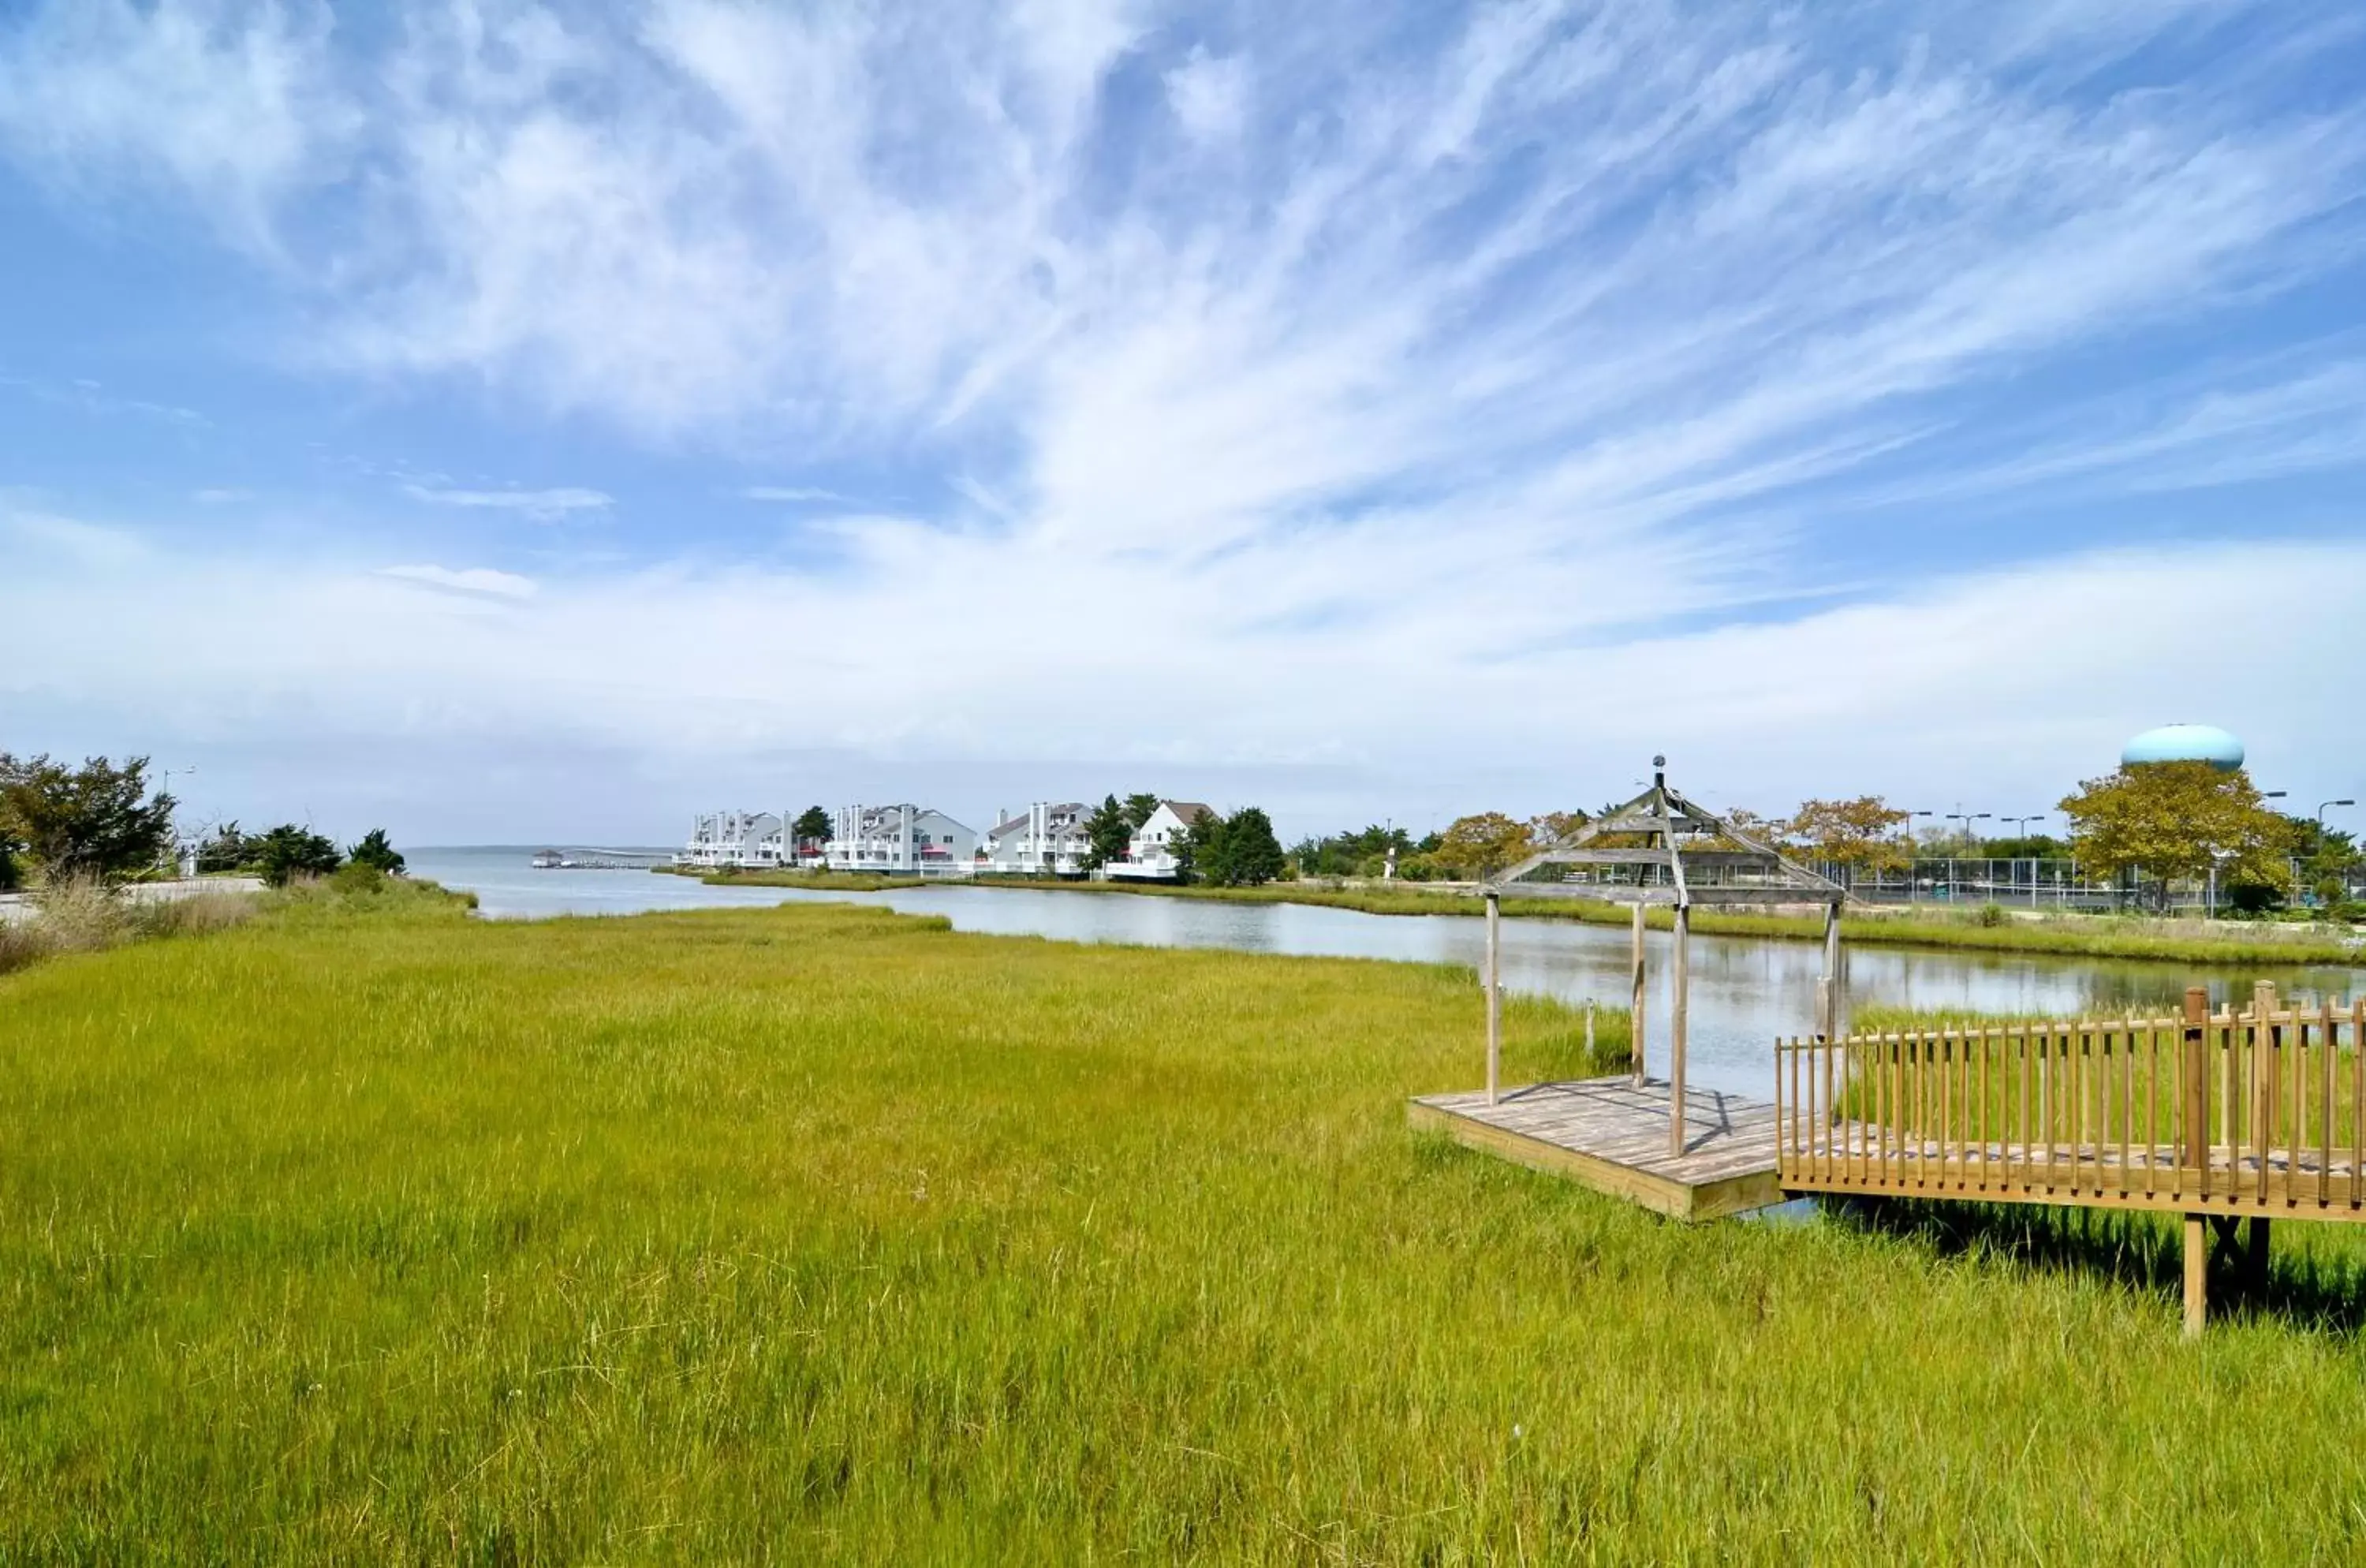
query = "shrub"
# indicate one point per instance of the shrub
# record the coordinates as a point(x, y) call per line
point(360, 877)
point(374, 850)
point(288, 851)
point(80, 914)
point(1991, 914)
point(211, 910)
point(21, 943)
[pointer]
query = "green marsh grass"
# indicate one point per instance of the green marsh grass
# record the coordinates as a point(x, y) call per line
point(366, 1232)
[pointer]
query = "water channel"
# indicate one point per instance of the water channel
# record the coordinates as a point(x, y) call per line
point(1745, 991)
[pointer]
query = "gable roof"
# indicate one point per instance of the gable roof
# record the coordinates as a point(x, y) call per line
point(1190, 811)
point(1663, 819)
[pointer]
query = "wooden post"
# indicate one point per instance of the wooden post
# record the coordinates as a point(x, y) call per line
point(2193, 1076)
point(1635, 1036)
point(1494, 994)
point(1680, 984)
point(2197, 1275)
point(2266, 1056)
point(1828, 994)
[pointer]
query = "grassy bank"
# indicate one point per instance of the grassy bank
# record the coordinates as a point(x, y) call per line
point(810, 881)
point(364, 1231)
point(2089, 936)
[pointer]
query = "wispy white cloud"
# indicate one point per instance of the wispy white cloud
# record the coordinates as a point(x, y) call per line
point(718, 665)
point(90, 397)
point(787, 492)
point(1306, 373)
point(475, 580)
point(237, 106)
point(542, 505)
point(1209, 95)
point(39, 537)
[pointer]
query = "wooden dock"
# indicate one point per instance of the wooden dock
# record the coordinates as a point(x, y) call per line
point(1612, 1134)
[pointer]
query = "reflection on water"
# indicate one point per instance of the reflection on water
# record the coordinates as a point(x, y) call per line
point(1745, 992)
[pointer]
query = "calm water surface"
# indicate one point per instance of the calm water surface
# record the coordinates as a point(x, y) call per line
point(1745, 992)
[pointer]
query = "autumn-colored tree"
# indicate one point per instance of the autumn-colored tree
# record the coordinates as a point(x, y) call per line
point(1555, 826)
point(1860, 835)
point(1773, 832)
point(2174, 819)
point(1482, 845)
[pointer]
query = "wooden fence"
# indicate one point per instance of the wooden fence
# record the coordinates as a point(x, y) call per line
point(2255, 1113)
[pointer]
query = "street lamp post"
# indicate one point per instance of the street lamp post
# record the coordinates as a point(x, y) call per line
point(2321, 811)
point(2021, 829)
point(1966, 818)
point(1911, 882)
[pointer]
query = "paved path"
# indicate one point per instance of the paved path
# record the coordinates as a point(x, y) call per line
point(19, 907)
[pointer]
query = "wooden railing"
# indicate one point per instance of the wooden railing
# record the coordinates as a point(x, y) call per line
point(2260, 1112)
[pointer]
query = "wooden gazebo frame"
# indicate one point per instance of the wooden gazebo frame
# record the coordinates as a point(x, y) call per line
point(1648, 864)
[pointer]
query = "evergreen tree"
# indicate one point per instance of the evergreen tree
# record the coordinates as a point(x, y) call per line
point(1139, 808)
point(374, 850)
point(94, 820)
point(1251, 854)
point(288, 851)
point(812, 826)
point(1107, 832)
point(1200, 853)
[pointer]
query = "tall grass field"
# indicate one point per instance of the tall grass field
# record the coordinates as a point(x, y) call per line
point(366, 1232)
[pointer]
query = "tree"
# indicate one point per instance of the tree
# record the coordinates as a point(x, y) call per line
point(813, 826)
point(2328, 859)
point(228, 849)
point(2177, 819)
point(94, 820)
point(1251, 855)
point(1199, 849)
point(1860, 835)
point(1479, 846)
point(1555, 826)
point(288, 851)
point(1361, 853)
point(1108, 833)
point(374, 850)
point(1139, 808)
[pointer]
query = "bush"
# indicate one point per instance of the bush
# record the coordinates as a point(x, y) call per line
point(1991, 914)
point(288, 851)
point(360, 877)
point(80, 914)
point(374, 850)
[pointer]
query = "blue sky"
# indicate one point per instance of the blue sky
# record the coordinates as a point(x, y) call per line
point(515, 422)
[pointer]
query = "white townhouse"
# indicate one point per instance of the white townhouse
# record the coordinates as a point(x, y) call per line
point(747, 839)
point(901, 841)
point(1048, 841)
point(1150, 853)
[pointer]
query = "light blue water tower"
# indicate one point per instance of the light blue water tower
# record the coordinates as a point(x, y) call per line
point(2184, 743)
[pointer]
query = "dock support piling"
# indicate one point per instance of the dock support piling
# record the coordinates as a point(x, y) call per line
point(1494, 995)
point(1635, 1006)
point(2197, 1274)
point(1828, 994)
point(1680, 984)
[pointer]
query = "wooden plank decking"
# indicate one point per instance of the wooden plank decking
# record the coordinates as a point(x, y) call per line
point(1612, 1134)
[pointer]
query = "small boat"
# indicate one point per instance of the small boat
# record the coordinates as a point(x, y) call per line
point(548, 860)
